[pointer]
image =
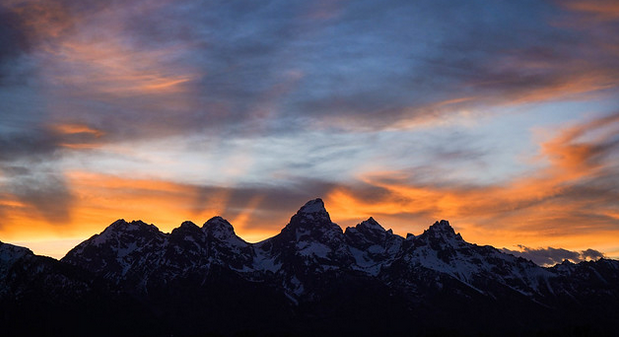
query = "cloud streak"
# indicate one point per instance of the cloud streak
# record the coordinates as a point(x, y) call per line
point(551, 256)
point(214, 73)
point(574, 195)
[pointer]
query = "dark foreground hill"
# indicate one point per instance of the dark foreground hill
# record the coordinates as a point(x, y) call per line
point(311, 279)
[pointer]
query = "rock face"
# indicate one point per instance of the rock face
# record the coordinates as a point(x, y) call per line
point(313, 278)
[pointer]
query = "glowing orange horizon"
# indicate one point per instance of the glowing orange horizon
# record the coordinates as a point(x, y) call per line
point(88, 63)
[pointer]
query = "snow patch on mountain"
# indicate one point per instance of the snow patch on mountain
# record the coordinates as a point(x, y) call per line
point(308, 248)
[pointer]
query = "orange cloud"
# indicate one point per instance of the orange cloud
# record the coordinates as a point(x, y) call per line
point(70, 129)
point(570, 203)
point(78, 136)
point(571, 86)
point(572, 153)
point(113, 67)
point(99, 57)
point(600, 9)
point(42, 19)
point(538, 75)
point(11, 203)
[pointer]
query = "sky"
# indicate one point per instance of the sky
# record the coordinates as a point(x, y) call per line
point(499, 116)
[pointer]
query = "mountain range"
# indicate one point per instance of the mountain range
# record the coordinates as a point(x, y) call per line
point(313, 278)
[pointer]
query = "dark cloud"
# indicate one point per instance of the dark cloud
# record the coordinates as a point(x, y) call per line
point(27, 161)
point(13, 44)
point(591, 254)
point(13, 41)
point(375, 64)
point(47, 194)
point(281, 66)
point(398, 63)
point(551, 256)
point(34, 144)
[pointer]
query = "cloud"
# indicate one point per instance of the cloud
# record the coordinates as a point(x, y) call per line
point(280, 71)
point(31, 177)
point(584, 149)
point(573, 196)
point(551, 256)
point(13, 43)
point(78, 136)
point(26, 144)
point(44, 193)
point(598, 9)
point(591, 254)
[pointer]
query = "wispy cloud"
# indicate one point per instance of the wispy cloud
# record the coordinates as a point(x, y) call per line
point(551, 256)
point(598, 9)
point(206, 71)
point(573, 196)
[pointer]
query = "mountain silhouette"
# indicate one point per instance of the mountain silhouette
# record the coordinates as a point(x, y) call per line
point(313, 278)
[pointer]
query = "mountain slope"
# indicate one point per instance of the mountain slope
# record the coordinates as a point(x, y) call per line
point(41, 296)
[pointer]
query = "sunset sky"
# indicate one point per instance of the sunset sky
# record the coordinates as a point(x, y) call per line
point(499, 116)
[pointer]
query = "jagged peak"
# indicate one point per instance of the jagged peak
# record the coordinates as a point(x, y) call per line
point(368, 227)
point(121, 228)
point(442, 226)
point(123, 222)
point(121, 225)
point(313, 206)
point(371, 224)
point(312, 220)
point(218, 225)
point(220, 229)
point(217, 221)
point(313, 210)
point(186, 226)
point(442, 229)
